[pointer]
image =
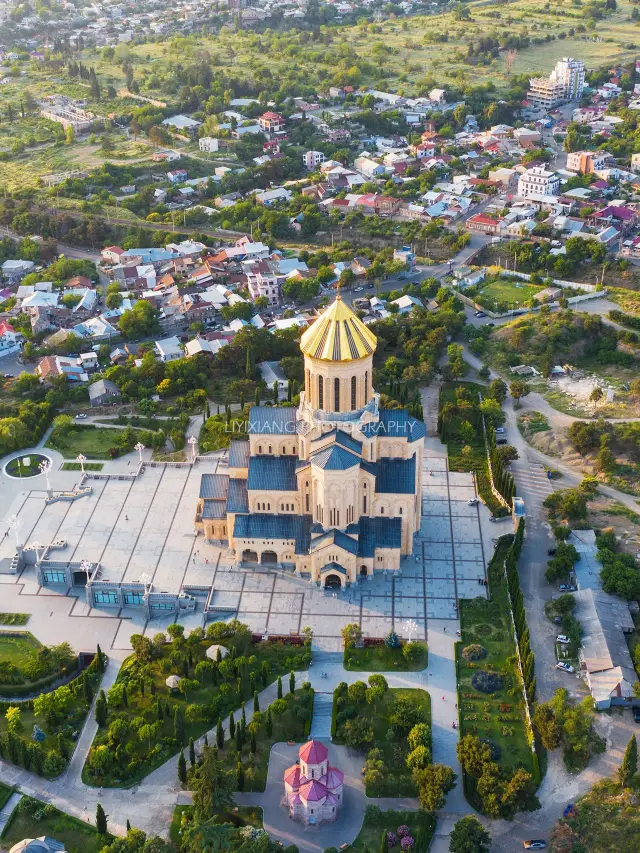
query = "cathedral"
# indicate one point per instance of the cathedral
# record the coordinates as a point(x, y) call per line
point(332, 488)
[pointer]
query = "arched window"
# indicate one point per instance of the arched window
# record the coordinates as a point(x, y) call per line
point(366, 387)
point(306, 502)
point(381, 510)
point(336, 394)
point(364, 505)
point(353, 392)
point(259, 448)
point(320, 392)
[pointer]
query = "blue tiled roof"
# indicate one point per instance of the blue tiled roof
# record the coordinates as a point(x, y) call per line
point(214, 509)
point(275, 473)
point(272, 420)
point(333, 567)
point(335, 537)
point(334, 458)
point(266, 526)
point(396, 423)
point(238, 454)
point(214, 486)
point(353, 529)
point(341, 437)
point(396, 476)
point(316, 527)
point(378, 533)
point(237, 498)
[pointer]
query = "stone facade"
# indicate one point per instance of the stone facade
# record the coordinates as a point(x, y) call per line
point(332, 488)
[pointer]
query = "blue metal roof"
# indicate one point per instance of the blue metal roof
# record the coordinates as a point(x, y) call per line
point(396, 423)
point(341, 437)
point(335, 537)
point(214, 486)
point(238, 454)
point(274, 473)
point(396, 476)
point(378, 533)
point(214, 509)
point(272, 420)
point(266, 526)
point(238, 497)
point(334, 458)
point(333, 567)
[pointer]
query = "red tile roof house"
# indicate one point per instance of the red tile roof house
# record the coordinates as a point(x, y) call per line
point(623, 217)
point(313, 789)
point(483, 223)
point(386, 204)
point(272, 122)
point(8, 336)
point(112, 254)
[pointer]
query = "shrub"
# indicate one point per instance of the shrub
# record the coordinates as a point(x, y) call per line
point(474, 652)
point(392, 640)
point(486, 682)
point(402, 830)
point(496, 752)
point(392, 839)
point(407, 842)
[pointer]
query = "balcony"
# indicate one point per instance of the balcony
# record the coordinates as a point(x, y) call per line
point(307, 413)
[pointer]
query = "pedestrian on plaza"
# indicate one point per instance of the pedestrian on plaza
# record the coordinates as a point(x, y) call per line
point(445, 629)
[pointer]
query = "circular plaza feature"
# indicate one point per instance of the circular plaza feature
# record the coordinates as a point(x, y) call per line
point(25, 465)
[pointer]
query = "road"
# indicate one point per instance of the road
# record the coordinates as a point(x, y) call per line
point(68, 251)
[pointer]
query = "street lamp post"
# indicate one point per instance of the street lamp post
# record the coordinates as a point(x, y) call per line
point(15, 523)
point(81, 459)
point(45, 468)
point(410, 628)
point(193, 441)
point(139, 447)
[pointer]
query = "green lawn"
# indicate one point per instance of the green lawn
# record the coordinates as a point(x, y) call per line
point(18, 649)
point(92, 442)
point(292, 724)
point(88, 466)
point(18, 468)
point(396, 778)
point(32, 819)
point(258, 664)
point(421, 826)
point(383, 659)
point(509, 293)
point(497, 717)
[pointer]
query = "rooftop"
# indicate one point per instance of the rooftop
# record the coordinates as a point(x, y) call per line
point(338, 335)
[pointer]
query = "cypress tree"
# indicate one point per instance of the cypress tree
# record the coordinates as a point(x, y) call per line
point(383, 842)
point(128, 826)
point(178, 725)
point(232, 725)
point(256, 702)
point(86, 690)
point(269, 722)
point(629, 766)
point(264, 673)
point(182, 768)
point(253, 745)
point(219, 735)
point(240, 776)
point(279, 687)
point(192, 752)
point(243, 717)
point(101, 820)
point(101, 709)
point(292, 681)
point(101, 658)
point(238, 739)
point(125, 698)
point(206, 739)
point(159, 713)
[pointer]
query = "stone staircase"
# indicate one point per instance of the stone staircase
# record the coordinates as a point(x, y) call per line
point(321, 723)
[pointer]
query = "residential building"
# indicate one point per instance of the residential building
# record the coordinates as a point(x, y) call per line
point(407, 303)
point(565, 83)
point(182, 123)
point(270, 122)
point(167, 155)
point(15, 271)
point(9, 338)
point(263, 281)
point(112, 254)
point(169, 349)
point(332, 488)
point(484, 223)
point(586, 162)
point(312, 159)
point(103, 393)
point(177, 176)
point(368, 167)
point(56, 365)
point(208, 144)
point(635, 162)
point(538, 181)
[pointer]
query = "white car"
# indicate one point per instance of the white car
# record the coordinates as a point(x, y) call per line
point(81, 417)
point(358, 289)
point(565, 667)
point(472, 501)
point(563, 639)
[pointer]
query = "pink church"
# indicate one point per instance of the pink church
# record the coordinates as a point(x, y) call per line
point(313, 789)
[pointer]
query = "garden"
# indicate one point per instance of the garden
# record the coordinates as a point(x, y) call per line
point(33, 819)
point(373, 654)
point(245, 752)
point(501, 294)
point(40, 734)
point(491, 698)
point(26, 665)
point(72, 439)
point(391, 725)
point(175, 688)
point(14, 618)
point(26, 465)
point(415, 826)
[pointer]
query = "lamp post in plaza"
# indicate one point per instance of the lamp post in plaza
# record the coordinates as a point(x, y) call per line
point(410, 628)
point(193, 441)
point(45, 468)
point(139, 447)
point(15, 523)
point(81, 459)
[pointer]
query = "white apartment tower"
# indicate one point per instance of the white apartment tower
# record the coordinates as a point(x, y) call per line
point(565, 83)
point(538, 182)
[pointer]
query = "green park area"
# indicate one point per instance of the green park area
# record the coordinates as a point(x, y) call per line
point(503, 294)
point(391, 725)
point(25, 664)
point(94, 442)
point(33, 819)
point(176, 688)
point(403, 657)
point(246, 751)
point(39, 734)
point(417, 825)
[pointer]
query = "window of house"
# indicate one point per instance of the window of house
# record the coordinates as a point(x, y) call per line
point(259, 448)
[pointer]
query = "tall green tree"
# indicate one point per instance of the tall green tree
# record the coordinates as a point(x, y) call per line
point(211, 786)
point(469, 836)
point(101, 820)
point(629, 766)
point(182, 768)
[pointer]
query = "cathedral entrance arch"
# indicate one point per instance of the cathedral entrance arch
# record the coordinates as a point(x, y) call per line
point(249, 556)
point(332, 582)
point(269, 558)
point(363, 571)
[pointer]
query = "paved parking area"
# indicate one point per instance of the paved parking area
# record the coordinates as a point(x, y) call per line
point(145, 527)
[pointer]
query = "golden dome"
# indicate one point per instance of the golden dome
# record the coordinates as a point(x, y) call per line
point(338, 335)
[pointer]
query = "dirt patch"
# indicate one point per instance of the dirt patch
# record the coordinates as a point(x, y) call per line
point(604, 512)
point(556, 443)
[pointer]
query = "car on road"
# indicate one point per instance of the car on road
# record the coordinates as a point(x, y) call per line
point(534, 844)
point(81, 417)
point(371, 285)
point(358, 289)
point(551, 552)
point(8, 376)
point(500, 430)
point(563, 639)
point(636, 715)
point(567, 587)
point(473, 501)
point(565, 667)
point(479, 314)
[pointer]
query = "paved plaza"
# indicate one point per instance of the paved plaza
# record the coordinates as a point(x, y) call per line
point(143, 528)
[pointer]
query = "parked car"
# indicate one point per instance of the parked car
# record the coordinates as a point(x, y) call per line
point(8, 376)
point(535, 844)
point(473, 501)
point(551, 552)
point(567, 587)
point(563, 639)
point(500, 430)
point(81, 417)
point(479, 314)
point(636, 715)
point(501, 440)
point(358, 289)
point(566, 667)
